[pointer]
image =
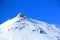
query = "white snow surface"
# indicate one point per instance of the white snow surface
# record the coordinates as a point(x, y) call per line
point(18, 28)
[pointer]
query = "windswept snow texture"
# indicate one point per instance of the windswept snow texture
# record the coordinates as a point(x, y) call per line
point(28, 29)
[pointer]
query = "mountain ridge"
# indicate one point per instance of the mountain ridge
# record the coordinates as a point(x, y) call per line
point(22, 28)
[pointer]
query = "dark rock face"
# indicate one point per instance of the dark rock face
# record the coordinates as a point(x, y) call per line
point(21, 15)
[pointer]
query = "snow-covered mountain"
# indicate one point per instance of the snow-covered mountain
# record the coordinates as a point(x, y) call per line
point(23, 28)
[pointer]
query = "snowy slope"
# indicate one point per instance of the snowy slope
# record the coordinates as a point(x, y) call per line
point(20, 28)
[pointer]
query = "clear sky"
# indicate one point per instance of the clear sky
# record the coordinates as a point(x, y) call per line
point(44, 10)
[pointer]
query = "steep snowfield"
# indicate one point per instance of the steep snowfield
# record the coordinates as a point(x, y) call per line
point(28, 29)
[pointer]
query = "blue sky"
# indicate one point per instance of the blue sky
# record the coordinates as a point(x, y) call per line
point(44, 10)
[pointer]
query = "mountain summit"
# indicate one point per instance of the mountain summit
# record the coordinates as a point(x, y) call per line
point(23, 28)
